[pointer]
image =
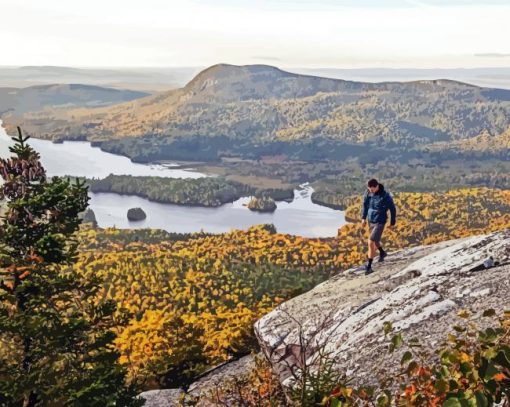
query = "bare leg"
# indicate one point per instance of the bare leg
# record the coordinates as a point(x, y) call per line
point(371, 249)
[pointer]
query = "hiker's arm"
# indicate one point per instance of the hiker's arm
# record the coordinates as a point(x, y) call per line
point(364, 207)
point(393, 210)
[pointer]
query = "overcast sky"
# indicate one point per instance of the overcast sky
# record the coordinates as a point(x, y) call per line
point(297, 33)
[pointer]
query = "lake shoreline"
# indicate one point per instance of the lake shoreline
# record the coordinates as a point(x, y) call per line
point(186, 205)
point(191, 166)
point(298, 217)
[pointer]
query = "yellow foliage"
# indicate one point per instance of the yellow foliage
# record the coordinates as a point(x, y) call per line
point(203, 292)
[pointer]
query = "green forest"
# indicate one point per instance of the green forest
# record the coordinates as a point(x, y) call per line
point(206, 191)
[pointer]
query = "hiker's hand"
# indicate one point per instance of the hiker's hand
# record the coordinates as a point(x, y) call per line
point(363, 222)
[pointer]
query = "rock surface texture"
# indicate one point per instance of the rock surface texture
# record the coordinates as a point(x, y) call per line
point(419, 290)
point(162, 398)
point(221, 374)
point(205, 385)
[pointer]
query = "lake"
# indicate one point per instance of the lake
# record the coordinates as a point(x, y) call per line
point(79, 158)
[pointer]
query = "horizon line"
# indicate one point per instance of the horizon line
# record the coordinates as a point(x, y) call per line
point(249, 64)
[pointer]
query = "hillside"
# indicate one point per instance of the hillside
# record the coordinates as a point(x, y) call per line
point(483, 145)
point(234, 109)
point(200, 294)
point(17, 101)
point(430, 293)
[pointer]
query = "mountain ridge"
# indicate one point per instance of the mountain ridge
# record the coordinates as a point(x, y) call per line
point(262, 103)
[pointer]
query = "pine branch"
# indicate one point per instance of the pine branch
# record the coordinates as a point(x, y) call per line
point(20, 138)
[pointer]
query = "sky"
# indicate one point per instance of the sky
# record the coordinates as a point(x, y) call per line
point(297, 33)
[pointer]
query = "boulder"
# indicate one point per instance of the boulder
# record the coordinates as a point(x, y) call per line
point(419, 290)
point(214, 377)
point(162, 398)
point(204, 385)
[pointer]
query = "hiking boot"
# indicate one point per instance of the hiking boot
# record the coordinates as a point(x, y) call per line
point(368, 269)
point(382, 256)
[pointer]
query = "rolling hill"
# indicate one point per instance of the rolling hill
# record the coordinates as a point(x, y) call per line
point(18, 101)
point(143, 79)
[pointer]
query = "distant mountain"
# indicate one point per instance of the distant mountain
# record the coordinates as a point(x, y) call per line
point(487, 77)
point(18, 101)
point(262, 104)
point(230, 83)
point(143, 79)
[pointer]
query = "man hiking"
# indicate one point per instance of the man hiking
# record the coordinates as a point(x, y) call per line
point(376, 203)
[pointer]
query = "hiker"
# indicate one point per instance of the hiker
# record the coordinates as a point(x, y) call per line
point(376, 203)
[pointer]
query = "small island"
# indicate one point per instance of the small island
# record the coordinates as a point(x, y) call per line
point(136, 214)
point(263, 204)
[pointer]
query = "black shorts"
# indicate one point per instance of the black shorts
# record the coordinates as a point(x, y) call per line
point(376, 231)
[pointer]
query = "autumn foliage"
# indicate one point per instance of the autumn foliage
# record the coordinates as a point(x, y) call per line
point(193, 299)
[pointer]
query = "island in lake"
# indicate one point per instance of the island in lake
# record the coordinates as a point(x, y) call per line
point(136, 214)
point(262, 204)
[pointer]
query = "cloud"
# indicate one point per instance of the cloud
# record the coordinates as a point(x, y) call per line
point(493, 55)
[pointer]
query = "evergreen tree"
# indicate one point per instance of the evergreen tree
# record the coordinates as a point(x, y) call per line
point(55, 337)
